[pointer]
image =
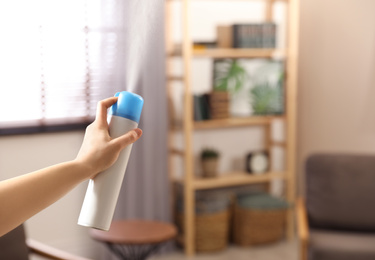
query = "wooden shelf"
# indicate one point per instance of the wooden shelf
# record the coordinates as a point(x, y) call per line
point(232, 1)
point(235, 179)
point(228, 122)
point(230, 52)
point(229, 179)
point(234, 122)
point(175, 78)
point(278, 143)
point(234, 53)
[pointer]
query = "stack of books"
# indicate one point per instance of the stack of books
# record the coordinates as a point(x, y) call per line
point(254, 35)
point(214, 105)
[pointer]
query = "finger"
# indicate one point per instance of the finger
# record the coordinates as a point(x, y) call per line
point(128, 138)
point(103, 105)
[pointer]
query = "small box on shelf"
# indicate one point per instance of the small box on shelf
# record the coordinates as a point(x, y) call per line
point(202, 45)
point(224, 36)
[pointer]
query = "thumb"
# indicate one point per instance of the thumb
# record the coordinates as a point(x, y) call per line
point(128, 138)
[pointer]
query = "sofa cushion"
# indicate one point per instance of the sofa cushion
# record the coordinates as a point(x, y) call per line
point(340, 192)
point(13, 245)
point(336, 245)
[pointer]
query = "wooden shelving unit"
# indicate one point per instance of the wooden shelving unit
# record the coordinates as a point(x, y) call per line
point(234, 53)
point(229, 179)
point(229, 53)
point(188, 125)
point(233, 122)
point(229, 122)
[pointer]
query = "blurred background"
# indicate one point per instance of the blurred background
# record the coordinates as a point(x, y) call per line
point(58, 59)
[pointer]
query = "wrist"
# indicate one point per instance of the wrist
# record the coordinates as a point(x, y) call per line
point(87, 170)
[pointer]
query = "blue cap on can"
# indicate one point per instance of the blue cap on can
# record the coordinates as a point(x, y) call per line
point(113, 108)
point(129, 105)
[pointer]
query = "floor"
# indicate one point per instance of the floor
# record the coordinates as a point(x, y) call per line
point(278, 251)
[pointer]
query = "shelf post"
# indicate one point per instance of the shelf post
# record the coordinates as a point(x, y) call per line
point(189, 203)
point(268, 143)
point(269, 10)
point(291, 107)
point(168, 69)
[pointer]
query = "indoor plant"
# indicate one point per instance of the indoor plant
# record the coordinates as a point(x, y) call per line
point(229, 75)
point(209, 159)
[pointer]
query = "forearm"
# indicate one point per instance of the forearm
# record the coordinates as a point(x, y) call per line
point(24, 196)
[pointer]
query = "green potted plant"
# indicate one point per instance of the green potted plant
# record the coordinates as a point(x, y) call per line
point(229, 75)
point(209, 159)
point(229, 78)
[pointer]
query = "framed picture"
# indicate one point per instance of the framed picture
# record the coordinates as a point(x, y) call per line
point(255, 86)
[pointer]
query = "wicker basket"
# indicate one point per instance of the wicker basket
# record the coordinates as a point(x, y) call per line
point(211, 230)
point(219, 104)
point(257, 226)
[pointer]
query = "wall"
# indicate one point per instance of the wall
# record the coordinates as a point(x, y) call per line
point(337, 78)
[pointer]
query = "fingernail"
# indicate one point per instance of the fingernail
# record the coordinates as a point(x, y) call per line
point(138, 131)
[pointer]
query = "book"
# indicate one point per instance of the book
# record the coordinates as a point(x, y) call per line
point(197, 108)
point(269, 35)
point(205, 103)
point(255, 35)
point(201, 107)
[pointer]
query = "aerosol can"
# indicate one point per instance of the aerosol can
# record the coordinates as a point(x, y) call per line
point(103, 191)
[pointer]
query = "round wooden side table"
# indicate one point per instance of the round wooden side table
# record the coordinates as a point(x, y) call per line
point(135, 239)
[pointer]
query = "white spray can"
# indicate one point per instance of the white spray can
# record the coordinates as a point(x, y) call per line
point(103, 191)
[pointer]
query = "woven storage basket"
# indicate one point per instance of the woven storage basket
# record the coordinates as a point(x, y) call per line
point(253, 226)
point(211, 230)
point(212, 220)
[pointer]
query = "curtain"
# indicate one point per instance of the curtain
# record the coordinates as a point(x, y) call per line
point(145, 191)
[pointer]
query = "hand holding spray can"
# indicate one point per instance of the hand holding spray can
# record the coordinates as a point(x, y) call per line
point(103, 191)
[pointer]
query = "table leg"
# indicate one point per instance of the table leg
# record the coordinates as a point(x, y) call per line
point(133, 252)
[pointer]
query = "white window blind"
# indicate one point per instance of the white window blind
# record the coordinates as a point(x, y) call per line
point(57, 59)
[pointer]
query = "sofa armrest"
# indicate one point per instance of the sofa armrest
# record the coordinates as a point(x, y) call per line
point(44, 250)
point(302, 226)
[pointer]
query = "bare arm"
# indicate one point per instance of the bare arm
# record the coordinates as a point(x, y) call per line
point(24, 196)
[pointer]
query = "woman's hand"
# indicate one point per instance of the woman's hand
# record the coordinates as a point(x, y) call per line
point(99, 151)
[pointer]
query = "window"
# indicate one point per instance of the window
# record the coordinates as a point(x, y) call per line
point(57, 59)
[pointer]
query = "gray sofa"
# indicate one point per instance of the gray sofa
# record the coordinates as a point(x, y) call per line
point(15, 246)
point(336, 220)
